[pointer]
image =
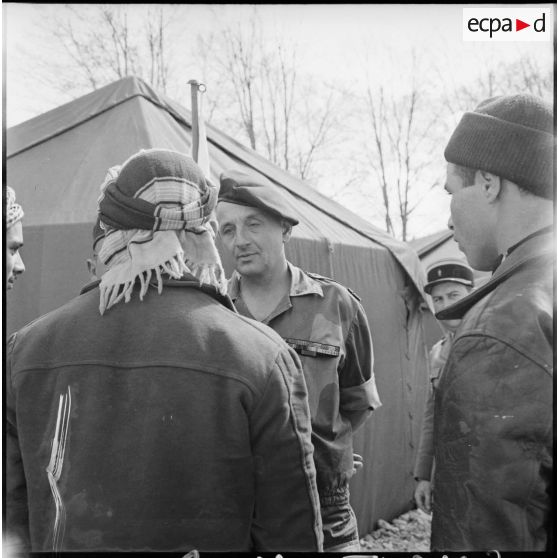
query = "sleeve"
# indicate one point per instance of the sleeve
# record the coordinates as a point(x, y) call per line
point(425, 453)
point(287, 513)
point(17, 523)
point(358, 392)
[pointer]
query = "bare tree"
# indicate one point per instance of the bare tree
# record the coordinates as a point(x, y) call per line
point(524, 74)
point(104, 44)
point(401, 131)
point(281, 116)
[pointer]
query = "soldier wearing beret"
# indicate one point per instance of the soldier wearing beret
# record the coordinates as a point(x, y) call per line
point(317, 317)
point(448, 281)
point(493, 414)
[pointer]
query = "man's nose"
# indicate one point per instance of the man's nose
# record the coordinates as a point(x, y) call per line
point(19, 266)
point(446, 302)
point(240, 238)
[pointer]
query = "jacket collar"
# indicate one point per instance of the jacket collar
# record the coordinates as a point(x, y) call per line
point(301, 283)
point(187, 281)
point(90, 286)
point(529, 250)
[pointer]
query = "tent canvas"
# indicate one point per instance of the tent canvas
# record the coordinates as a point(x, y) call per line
point(56, 162)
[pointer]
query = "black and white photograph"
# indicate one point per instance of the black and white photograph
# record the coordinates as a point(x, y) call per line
point(279, 278)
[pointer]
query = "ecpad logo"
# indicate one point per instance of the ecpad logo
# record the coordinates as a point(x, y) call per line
point(507, 24)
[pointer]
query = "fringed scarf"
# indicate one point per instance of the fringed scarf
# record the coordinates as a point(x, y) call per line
point(172, 192)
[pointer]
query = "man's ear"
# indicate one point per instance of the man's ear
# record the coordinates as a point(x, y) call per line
point(491, 185)
point(91, 268)
point(287, 230)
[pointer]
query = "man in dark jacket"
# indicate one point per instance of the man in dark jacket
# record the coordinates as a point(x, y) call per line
point(146, 415)
point(494, 406)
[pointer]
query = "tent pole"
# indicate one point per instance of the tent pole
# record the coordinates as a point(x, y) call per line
point(194, 85)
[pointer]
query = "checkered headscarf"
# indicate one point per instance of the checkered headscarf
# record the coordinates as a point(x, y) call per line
point(14, 211)
point(155, 211)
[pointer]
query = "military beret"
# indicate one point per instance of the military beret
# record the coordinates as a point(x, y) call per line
point(254, 190)
point(451, 270)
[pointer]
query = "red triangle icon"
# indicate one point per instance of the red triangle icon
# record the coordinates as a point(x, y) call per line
point(519, 25)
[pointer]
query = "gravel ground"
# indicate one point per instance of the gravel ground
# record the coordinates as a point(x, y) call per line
point(409, 532)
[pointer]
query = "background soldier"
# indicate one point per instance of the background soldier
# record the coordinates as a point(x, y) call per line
point(448, 281)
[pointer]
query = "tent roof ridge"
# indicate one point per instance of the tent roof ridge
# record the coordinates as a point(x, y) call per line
point(135, 92)
point(83, 109)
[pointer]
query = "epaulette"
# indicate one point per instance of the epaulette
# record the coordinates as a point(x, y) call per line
point(324, 278)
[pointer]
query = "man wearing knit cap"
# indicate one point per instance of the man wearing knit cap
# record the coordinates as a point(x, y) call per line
point(146, 414)
point(14, 239)
point(322, 320)
point(448, 281)
point(494, 405)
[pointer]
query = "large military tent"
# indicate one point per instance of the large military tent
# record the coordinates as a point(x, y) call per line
point(57, 161)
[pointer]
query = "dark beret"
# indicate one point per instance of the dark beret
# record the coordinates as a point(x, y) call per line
point(254, 190)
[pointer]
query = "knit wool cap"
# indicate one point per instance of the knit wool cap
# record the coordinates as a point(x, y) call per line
point(448, 270)
point(254, 190)
point(14, 211)
point(155, 211)
point(511, 137)
point(130, 201)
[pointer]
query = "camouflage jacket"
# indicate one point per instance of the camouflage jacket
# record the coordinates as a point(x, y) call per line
point(327, 327)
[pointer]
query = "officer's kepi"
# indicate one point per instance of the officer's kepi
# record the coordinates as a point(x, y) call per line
point(254, 190)
point(449, 270)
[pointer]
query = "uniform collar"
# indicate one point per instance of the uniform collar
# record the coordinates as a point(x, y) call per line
point(301, 283)
point(90, 286)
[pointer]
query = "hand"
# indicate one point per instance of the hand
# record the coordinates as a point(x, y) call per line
point(423, 495)
point(358, 462)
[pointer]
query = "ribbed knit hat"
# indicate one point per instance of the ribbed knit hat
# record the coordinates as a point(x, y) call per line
point(510, 136)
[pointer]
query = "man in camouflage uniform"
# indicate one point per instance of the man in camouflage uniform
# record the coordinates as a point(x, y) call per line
point(322, 320)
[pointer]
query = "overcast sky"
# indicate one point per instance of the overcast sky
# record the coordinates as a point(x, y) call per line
point(332, 40)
